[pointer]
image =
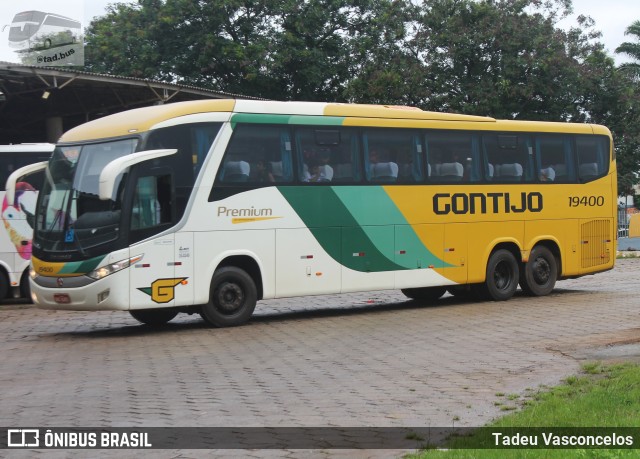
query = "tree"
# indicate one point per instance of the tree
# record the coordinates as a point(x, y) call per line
point(125, 41)
point(504, 58)
point(626, 124)
point(221, 45)
point(632, 49)
point(283, 49)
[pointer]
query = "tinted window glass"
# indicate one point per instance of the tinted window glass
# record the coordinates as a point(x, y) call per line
point(452, 157)
point(393, 155)
point(327, 154)
point(554, 159)
point(593, 157)
point(151, 202)
point(193, 142)
point(10, 162)
point(508, 158)
point(257, 154)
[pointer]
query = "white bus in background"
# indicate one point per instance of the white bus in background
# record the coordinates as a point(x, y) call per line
point(39, 30)
point(16, 228)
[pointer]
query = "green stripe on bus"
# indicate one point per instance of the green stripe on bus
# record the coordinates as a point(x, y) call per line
point(364, 244)
point(357, 249)
point(81, 267)
point(258, 118)
point(374, 205)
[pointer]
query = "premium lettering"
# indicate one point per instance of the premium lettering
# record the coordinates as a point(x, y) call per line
point(483, 203)
point(248, 212)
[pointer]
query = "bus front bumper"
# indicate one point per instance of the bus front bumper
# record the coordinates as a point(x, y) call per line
point(82, 293)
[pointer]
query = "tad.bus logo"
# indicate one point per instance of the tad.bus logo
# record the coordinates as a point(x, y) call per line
point(163, 290)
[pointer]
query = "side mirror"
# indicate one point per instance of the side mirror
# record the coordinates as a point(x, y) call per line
point(111, 171)
point(15, 175)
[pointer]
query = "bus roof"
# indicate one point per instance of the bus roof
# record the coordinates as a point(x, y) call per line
point(143, 119)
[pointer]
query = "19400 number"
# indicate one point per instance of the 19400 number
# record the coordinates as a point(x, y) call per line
point(587, 201)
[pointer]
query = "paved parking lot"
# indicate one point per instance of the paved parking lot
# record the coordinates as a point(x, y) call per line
point(372, 359)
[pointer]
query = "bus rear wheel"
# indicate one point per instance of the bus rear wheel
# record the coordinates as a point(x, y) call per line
point(232, 300)
point(424, 293)
point(540, 273)
point(502, 276)
point(153, 317)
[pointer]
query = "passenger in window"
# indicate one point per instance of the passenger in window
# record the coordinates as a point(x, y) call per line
point(313, 174)
point(263, 172)
point(318, 168)
point(373, 157)
point(378, 156)
point(381, 168)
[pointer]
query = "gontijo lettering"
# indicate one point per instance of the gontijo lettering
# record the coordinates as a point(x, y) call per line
point(495, 203)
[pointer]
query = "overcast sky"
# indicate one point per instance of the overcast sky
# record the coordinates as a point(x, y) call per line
point(612, 17)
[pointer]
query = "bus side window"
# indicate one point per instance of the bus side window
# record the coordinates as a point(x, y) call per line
point(345, 159)
point(554, 159)
point(151, 202)
point(392, 155)
point(593, 157)
point(326, 154)
point(257, 155)
point(508, 158)
point(410, 168)
point(452, 157)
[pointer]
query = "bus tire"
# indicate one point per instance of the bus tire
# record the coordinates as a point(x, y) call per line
point(153, 317)
point(540, 273)
point(233, 298)
point(424, 293)
point(4, 285)
point(25, 287)
point(502, 276)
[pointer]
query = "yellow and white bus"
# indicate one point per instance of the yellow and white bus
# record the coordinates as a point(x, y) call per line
point(210, 206)
point(16, 230)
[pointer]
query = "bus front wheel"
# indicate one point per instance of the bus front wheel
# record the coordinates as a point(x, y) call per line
point(424, 293)
point(540, 273)
point(4, 285)
point(232, 300)
point(153, 317)
point(502, 276)
point(25, 288)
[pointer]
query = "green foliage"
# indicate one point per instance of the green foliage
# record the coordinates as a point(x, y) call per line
point(626, 125)
point(501, 58)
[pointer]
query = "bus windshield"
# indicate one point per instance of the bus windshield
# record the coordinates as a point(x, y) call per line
point(71, 217)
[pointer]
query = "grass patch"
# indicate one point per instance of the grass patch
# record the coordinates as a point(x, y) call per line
point(601, 396)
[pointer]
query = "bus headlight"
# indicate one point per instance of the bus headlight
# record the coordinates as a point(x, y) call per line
point(32, 272)
point(104, 271)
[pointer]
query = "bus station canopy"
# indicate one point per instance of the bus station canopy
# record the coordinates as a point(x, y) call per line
point(37, 103)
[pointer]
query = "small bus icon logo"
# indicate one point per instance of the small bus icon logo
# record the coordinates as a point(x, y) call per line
point(23, 438)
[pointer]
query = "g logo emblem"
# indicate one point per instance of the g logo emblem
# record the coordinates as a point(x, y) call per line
point(163, 290)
